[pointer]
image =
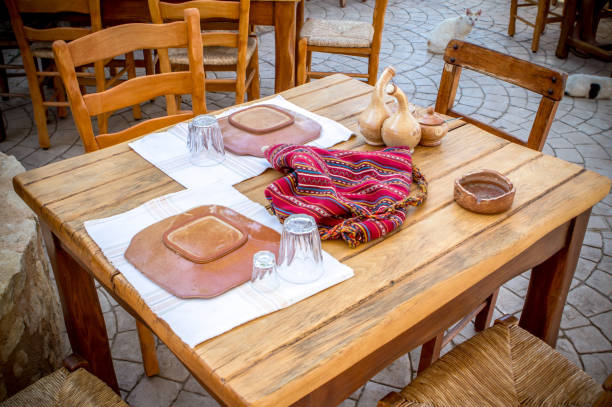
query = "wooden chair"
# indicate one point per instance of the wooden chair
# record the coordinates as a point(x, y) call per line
point(35, 47)
point(550, 84)
point(356, 38)
point(69, 386)
point(543, 17)
point(224, 50)
point(502, 366)
point(118, 40)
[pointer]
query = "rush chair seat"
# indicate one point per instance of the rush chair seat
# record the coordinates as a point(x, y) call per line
point(502, 366)
point(548, 83)
point(70, 386)
point(355, 38)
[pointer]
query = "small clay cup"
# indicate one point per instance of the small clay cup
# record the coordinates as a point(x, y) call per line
point(433, 128)
point(484, 191)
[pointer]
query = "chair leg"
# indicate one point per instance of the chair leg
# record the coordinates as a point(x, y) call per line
point(372, 68)
point(60, 96)
point(430, 351)
point(4, 86)
point(302, 61)
point(147, 348)
point(131, 73)
point(308, 64)
point(2, 128)
point(540, 23)
point(484, 317)
point(512, 23)
point(253, 90)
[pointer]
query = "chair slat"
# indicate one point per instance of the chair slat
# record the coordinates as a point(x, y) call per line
point(124, 38)
point(136, 90)
point(220, 39)
point(51, 6)
point(536, 78)
point(207, 9)
point(149, 126)
point(52, 34)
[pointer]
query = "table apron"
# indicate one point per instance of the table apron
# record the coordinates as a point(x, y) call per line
point(342, 386)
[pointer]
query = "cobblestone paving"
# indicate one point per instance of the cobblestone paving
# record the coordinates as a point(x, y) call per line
point(581, 133)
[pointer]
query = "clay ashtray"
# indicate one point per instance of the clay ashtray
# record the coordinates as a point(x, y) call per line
point(484, 191)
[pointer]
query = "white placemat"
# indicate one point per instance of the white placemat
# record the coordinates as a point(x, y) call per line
point(167, 150)
point(196, 320)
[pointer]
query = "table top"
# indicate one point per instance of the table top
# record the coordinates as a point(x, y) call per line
point(440, 252)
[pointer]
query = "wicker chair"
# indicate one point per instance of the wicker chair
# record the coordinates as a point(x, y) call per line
point(70, 386)
point(502, 366)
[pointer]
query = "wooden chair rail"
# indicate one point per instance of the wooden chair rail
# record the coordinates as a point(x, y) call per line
point(149, 126)
point(125, 38)
point(58, 33)
point(207, 9)
point(46, 6)
point(138, 89)
point(536, 78)
point(485, 126)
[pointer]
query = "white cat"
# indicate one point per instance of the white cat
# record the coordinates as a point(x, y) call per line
point(458, 27)
point(591, 86)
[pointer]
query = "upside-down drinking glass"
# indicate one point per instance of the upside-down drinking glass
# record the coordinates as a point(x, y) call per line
point(300, 259)
point(265, 276)
point(205, 141)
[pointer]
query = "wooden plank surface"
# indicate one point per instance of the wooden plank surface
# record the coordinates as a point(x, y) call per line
point(438, 254)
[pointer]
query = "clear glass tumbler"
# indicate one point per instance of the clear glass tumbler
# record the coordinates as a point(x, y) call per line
point(300, 259)
point(205, 141)
point(265, 275)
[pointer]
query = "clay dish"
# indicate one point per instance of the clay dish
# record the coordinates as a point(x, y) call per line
point(484, 191)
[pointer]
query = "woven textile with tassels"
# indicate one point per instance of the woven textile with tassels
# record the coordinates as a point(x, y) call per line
point(353, 195)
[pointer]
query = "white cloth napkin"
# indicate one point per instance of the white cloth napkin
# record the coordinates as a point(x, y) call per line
point(167, 150)
point(196, 320)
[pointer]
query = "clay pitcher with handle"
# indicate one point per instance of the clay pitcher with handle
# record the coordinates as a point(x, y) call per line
point(401, 128)
point(371, 119)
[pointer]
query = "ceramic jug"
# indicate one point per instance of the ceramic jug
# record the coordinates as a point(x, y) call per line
point(371, 119)
point(433, 128)
point(401, 128)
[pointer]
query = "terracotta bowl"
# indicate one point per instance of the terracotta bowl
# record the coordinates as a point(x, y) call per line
point(484, 191)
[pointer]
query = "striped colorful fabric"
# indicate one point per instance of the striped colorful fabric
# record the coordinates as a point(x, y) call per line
point(353, 195)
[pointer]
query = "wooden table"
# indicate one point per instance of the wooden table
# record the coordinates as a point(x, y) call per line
point(281, 14)
point(442, 263)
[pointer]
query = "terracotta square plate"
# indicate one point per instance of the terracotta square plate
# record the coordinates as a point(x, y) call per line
point(200, 253)
point(245, 132)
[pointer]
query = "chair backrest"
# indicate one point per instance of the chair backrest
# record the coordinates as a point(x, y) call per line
point(229, 11)
point(118, 40)
point(544, 81)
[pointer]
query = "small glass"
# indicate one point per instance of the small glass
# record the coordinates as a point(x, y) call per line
point(300, 259)
point(265, 276)
point(205, 141)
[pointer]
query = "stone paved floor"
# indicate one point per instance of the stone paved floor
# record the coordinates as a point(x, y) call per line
point(581, 133)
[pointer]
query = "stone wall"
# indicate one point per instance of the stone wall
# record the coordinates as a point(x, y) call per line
point(29, 311)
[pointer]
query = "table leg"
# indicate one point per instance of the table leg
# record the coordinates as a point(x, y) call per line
point(549, 284)
point(284, 45)
point(82, 312)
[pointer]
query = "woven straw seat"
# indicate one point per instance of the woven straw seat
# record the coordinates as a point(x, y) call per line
point(502, 366)
point(338, 33)
point(62, 388)
point(213, 55)
point(42, 50)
